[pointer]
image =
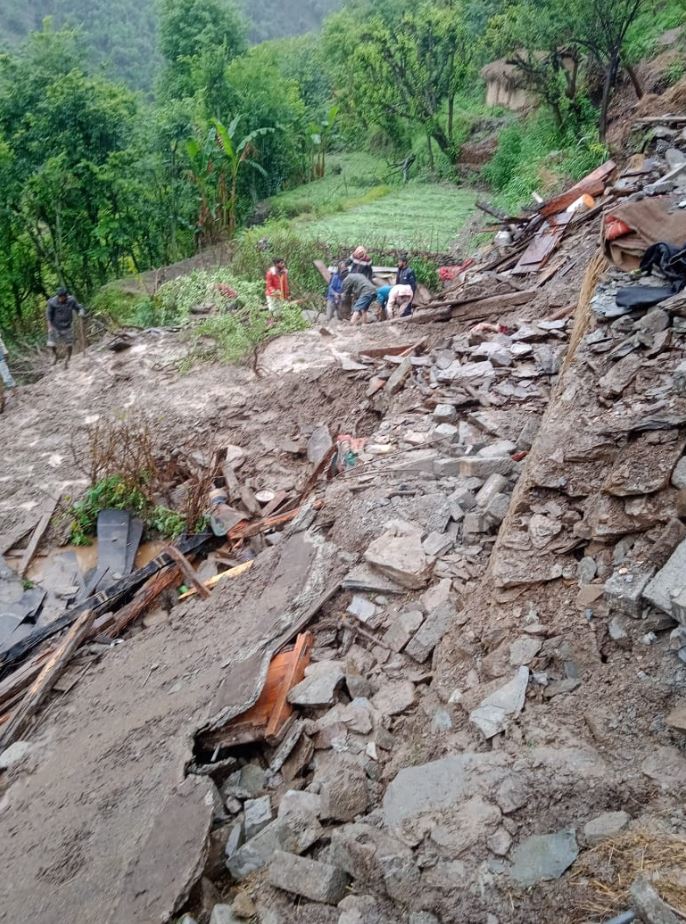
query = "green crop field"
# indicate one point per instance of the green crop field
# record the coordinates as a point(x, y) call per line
point(361, 200)
point(419, 216)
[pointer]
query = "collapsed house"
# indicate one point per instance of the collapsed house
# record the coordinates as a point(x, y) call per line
point(444, 683)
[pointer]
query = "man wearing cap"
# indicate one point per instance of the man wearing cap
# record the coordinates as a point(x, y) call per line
point(60, 315)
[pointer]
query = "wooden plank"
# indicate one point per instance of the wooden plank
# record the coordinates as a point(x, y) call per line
point(38, 534)
point(282, 710)
point(9, 541)
point(543, 245)
point(246, 530)
point(323, 270)
point(380, 352)
point(187, 571)
point(495, 303)
point(213, 581)
point(146, 596)
point(593, 184)
point(45, 681)
point(279, 498)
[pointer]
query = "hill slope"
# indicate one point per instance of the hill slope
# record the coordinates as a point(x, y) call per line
point(121, 35)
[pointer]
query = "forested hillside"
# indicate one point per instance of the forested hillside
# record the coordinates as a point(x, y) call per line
point(98, 181)
point(122, 35)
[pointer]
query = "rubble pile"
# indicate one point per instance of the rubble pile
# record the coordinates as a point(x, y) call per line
point(449, 679)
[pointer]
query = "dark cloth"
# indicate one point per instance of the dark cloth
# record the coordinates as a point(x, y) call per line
point(407, 277)
point(61, 315)
point(356, 285)
point(361, 268)
point(669, 261)
point(643, 296)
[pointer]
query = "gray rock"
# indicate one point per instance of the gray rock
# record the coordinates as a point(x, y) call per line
point(464, 498)
point(674, 157)
point(493, 714)
point(359, 909)
point(625, 588)
point(258, 814)
point(431, 632)
point(680, 378)
point(295, 830)
point(501, 449)
point(247, 783)
point(651, 908)
point(498, 507)
point(479, 467)
point(395, 697)
point(244, 907)
point(362, 608)
point(668, 582)
point(494, 485)
point(417, 460)
point(319, 686)
point(187, 919)
point(403, 628)
point(528, 433)
point(446, 468)
point(401, 558)
point(543, 857)
point(319, 444)
point(586, 570)
point(377, 859)
point(437, 544)
point(609, 824)
point(500, 842)
point(445, 413)
point(320, 882)
point(234, 840)
point(523, 650)
point(475, 525)
point(423, 917)
point(679, 474)
point(446, 433)
point(14, 754)
point(345, 794)
point(667, 767)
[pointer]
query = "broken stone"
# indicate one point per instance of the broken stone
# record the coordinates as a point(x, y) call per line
point(621, 375)
point(605, 826)
point(523, 650)
point(395, 697)
point(680, 378)
point(247, 783)
point(651, 908)
point(445, 413)
point(258, 814)
point(447, 433)
point(495, 484)
point(359, 909)
point(475, 525)
point(677, 718)
point(357, 716)
point(437, 544)
point(320, 684)
point(586, 570)
point(418, 460)
point(498, 507)
point(465, 827)
point(668, 583)
point(319, 882)
point(402, 629)
point(667, 767)
point(543, 857)
point(432, 631)
point(679, 474)
point(625, 588)
point(494, 712)
point(319, 444)
point(500, 842)
point(401, 558)
point(480, 467)
point(234, 840)
point(362, 608)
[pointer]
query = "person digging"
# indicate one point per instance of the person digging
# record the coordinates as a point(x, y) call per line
point(60, 316)
point(358, 289)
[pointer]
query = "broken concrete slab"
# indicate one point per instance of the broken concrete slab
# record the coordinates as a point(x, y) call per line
point(543, 857)
point(400, 558)
point(493, 714)
point(322, 679)
point(319, 882)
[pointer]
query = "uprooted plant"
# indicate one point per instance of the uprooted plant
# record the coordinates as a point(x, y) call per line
point(128, 468)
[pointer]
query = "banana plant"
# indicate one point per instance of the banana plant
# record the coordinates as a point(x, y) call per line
point(321, 135)
point(235, 155)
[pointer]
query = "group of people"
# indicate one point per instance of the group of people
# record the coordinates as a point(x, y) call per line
point(352, 286)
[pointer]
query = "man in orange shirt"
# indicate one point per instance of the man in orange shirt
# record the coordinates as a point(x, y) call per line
point(277, 288)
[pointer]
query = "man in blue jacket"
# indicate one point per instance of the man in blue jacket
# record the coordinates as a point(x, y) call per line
point(406, 277)
point(334, 292)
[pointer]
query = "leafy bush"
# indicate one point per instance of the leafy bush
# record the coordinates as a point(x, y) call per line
point(109, 493)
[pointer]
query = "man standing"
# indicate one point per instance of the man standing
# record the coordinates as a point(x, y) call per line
point(5, 373)
point(333, 293)
point(277, 288)
point(406, 277)
point(60, 315)
point(362, 293)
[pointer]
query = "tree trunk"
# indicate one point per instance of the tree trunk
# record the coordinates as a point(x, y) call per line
point(636, 83)
point(610, 79)
point(443, 142)
point(432, 164)
point(451, 116)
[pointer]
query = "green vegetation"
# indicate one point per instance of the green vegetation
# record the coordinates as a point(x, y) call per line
point(419, 216)
point(116, 493)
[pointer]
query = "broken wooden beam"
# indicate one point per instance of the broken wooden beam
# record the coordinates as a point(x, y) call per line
point(38, 534)
point(247, 530)
point(164, 580)
point(213, 581)
point(187, 571)
point(47, 678)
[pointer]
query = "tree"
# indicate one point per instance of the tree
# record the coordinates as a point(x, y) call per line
point(396, 60)
point(322, 134)
point(198, 38)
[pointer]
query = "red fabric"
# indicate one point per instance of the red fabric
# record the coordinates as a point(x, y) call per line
point(615, 228)
point(277, 283)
